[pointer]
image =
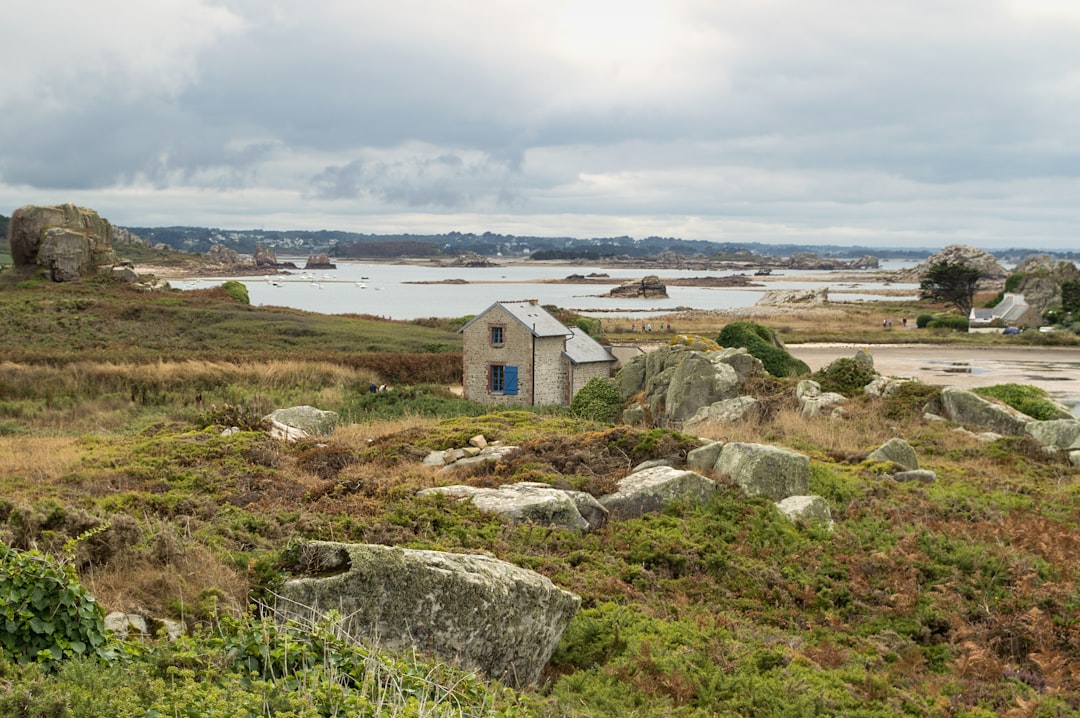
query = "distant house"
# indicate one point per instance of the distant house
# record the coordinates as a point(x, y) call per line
point(516, 353)
point(1011, 311)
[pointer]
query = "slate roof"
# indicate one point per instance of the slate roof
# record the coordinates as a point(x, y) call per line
point(533, 316)
point(1011, 308)
point(583, 349)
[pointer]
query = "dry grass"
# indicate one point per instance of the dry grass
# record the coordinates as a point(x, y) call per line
point(358, 436)
point(34, 462)
point(861, 430)
point(181, 578)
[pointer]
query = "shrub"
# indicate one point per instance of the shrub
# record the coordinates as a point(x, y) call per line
point(949, 321)
point(1014, 281)
point(1070, 295)
point(845, 376)
point(1031, 400)
point(763, 343)
point(48, 614)
point(923, 320)
point(598, 400)
point(236, 291)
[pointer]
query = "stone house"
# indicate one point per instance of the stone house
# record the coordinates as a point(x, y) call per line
point(517, 354)
point(1011, 311)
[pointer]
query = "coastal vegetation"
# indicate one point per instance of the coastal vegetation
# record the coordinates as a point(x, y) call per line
point(955, 598)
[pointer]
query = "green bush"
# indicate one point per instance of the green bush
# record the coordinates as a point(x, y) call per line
point(598, 400)
point(845, 376)
point(236, 291)
point(1014, 281)
point(1070, 296)
point(1031, 400)
point(763, 343)
point(48, 615)
point(923, 320)
point(949, 321)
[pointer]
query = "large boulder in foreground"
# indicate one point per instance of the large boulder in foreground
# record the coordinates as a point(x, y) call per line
point(650, 490)
point(68, 242)
point(493, 617)
point(763, 470)
point(533, 502)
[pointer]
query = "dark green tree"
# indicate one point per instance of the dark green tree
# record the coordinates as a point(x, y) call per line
point(951, 282)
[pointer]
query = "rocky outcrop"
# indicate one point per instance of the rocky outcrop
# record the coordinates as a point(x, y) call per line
point(221, 255)
point(965, 407)
point(265, 258)
point(1057, 433)
point(804, 297)
point(319, 261)
point(885, 385)
point(489, 615)
point(1041, 282)
point(466, 455)
point(763, 470)
point(986, 263)
point(134, 625)
point(897, 451)
point(806, 508)
point(678, 380)
point(649, 287)
point(652, 489)
point(532, 502)
point(729, 411)
point(703, 459)
point(301, 422)
point(814, 402)
point(68, 242)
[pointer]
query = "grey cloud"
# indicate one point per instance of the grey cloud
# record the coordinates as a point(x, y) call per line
point(445, 181)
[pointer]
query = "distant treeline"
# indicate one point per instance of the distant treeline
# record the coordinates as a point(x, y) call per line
point(401, 248)
point(357, 244)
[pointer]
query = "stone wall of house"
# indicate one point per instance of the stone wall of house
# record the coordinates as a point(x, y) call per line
point(479, 354)
point(581, 374)
point(550, 375)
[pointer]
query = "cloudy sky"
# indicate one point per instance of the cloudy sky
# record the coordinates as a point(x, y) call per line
point(882, 122)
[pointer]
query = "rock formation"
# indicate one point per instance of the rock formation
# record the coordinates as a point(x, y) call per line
point(814, 402)
point(973, 257)
point(650, 490)
point(301, 422)
point(806, 297)
point(319, 261)
point(265, 257)
point(222, 255)
point(68, 242)
point(531, 502)
point(1042, 279)
point(493, 617)
point(649, 287)
point(764, 470)
point(678, 380)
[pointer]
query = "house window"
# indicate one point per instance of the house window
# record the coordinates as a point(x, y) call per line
point(497, 335)
point(502, 379)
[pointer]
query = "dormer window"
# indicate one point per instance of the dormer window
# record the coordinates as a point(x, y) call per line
point(497, 335)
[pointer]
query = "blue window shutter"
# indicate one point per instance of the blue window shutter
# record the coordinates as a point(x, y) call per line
point(511, 380)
